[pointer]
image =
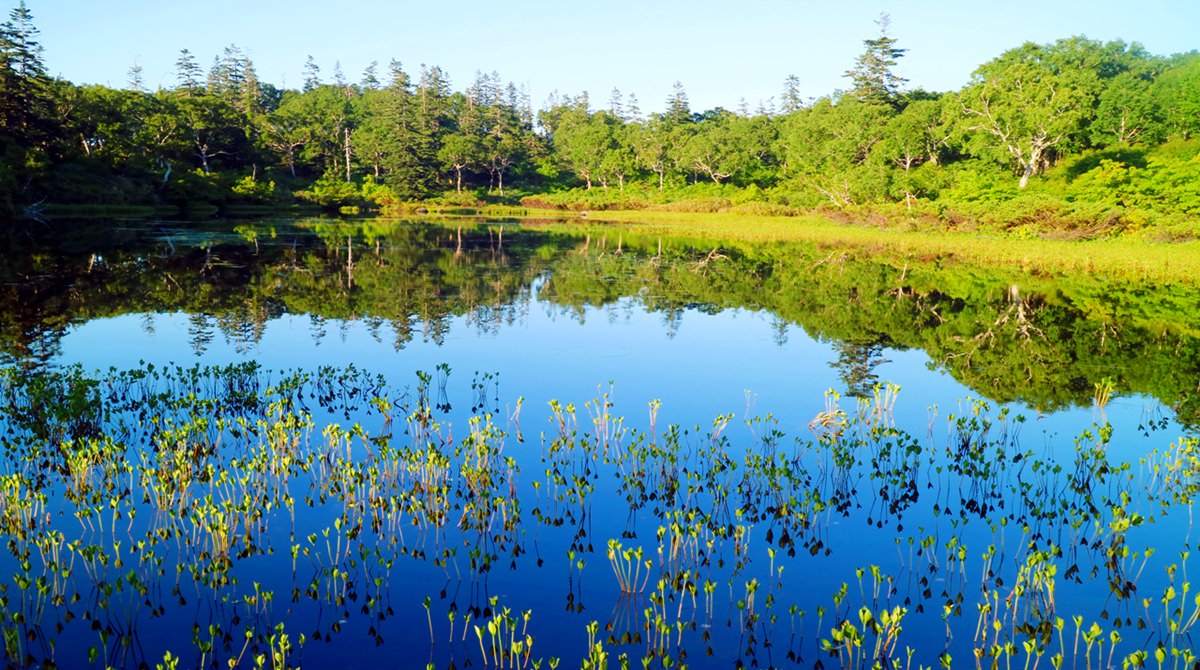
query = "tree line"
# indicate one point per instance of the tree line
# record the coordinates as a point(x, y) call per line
point(1120, 119)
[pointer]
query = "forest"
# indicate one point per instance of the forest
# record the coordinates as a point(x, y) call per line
point(1075, 138)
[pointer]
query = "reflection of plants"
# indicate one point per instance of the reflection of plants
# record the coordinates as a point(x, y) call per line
point(279, 645)
point(873, 640)
point(443, 376)
point(189, 475)
point(856, 364)
point(14, 645)
point(413, 289)
point(830, 423)
point(1024, 613)
point(485, 389)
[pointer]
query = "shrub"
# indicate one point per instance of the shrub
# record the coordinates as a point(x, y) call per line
point(380, 195)
point(540, 202)
point(697, 205)
point(195, 187)
point(457, 199)
point(252, 191)
point(330, 192)
point(763, 209)
point(581, 199)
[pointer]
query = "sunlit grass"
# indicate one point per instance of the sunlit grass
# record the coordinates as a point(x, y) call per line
point(1125, 257)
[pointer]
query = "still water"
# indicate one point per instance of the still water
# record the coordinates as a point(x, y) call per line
point(970, 452)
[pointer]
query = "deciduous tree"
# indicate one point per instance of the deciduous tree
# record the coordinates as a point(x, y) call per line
point(1027, 104)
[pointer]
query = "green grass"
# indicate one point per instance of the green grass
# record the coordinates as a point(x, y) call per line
point(1121, 257)
point(900, 238)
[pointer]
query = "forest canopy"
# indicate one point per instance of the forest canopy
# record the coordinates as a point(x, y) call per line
point(1075, 135)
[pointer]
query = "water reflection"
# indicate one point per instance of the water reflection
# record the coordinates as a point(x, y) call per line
point(352, 501)
point(207, 511)
point(1043, 341)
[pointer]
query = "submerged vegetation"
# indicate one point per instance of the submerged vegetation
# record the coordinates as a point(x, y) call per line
point(1076, 138)
point(241, 517)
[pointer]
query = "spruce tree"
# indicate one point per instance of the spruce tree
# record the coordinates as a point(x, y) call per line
point(873, 76)
point(678, 110)
point(23, 81)
point(188, 72)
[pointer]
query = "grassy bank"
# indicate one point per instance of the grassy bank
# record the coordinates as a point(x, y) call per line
point(1129, 256)
point(1122, 257)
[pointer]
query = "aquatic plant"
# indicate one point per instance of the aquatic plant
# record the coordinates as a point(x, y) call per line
point(249, 495)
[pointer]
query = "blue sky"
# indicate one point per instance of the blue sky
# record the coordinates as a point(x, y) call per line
point(721, 51)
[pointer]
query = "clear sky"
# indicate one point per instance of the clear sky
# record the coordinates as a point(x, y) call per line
point(721, 50)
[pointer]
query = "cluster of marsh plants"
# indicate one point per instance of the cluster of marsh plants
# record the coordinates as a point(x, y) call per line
point(242, 517)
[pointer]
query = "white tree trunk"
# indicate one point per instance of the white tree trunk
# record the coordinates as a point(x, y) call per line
point(346, 147)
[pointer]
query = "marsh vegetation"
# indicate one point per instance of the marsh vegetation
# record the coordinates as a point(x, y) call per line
point(243, 516)
point(1023, 500)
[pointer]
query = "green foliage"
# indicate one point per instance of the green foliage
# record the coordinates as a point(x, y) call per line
point(1177, 93)
point(727, 146)
point(459, 199)
point(1108, 112)
point(827, 151)
point(248, 189)
point(331, 192)
point(195, 186)
point(756, 208)
point(380, 195)
point(975, 183)
point(1128, 112)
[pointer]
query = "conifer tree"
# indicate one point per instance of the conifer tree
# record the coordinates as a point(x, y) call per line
point(678, 110)
point(872, 75)
point(22, 77)
point(187, 71)
point(312, 74)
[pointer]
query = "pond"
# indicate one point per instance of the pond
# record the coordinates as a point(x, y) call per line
point(467, 442)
